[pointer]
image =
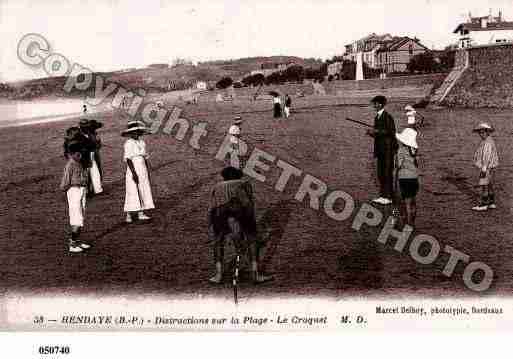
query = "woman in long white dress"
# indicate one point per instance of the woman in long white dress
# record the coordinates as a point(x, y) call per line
point(138, 196)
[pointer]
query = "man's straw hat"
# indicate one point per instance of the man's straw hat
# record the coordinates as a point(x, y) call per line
point(135, 126)
point(483, 126)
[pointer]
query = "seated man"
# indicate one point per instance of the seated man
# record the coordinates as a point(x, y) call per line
point(232, 216)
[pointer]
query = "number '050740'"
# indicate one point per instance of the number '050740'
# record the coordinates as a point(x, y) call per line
point(55, 349)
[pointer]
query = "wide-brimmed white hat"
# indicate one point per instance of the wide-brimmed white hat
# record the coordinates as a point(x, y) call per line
point(135, 126)
point(483, 126)
point(408, 137)
point(234, 130)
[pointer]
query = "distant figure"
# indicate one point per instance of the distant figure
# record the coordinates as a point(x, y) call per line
point(277, 106)
point(235, 133)
point(74, 183)
point(385, 147)
point(138, 197)
point(486, 159)
point(288, 103)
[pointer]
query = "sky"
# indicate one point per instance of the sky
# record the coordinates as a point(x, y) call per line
point(108, 35)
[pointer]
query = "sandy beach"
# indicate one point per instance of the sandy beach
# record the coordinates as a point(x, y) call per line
point(309, 253)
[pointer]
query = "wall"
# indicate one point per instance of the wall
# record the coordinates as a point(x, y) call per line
point(415, 85)
point(391, 82)
point(488, 81)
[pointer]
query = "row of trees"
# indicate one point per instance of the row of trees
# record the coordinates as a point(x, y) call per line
point(428, 62)
point(294, 73)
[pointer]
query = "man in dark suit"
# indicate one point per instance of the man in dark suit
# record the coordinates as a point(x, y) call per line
point(385, 147)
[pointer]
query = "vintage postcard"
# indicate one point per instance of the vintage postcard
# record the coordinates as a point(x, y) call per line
point(271, 166)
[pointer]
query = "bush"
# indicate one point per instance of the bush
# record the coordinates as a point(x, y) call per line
point(225, 82)
point(275, 78)
point(294, 73)
point(423, 63)
point(255, 80)
point(348, 70)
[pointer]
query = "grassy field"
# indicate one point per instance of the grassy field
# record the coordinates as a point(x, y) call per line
point(309, 253)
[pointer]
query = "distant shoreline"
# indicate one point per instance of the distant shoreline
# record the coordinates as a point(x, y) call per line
point(14, 113)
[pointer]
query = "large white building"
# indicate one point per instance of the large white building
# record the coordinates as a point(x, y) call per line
point(385, 52)
point(484, 31)
point(368, 46)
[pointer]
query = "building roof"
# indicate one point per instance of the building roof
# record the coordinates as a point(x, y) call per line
point(371, 37)
point(490, 26)
point(397, 42)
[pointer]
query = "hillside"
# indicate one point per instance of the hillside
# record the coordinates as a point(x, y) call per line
point(155, 78)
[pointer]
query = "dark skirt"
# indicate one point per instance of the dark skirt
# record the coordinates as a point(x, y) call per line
point(277, 110)
point(409, 187)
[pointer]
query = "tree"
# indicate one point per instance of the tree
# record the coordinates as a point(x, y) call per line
point(348, 70)
point(315, 73)
point(446, 59)
point(423, 63)
point(335, 59)
point(294, 73)
point(253, 80)
point(224, 83)
point(275, 78)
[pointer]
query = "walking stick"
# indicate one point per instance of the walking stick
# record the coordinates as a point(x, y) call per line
point(139, 195)
point(236, 279)
point(396, 212)
point(358, 122)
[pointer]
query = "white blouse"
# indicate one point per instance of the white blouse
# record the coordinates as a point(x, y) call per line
point(134, 148)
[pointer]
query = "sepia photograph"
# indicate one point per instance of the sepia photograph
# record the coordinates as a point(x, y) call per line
point(228, 166)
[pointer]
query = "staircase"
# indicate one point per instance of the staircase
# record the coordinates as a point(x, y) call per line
point(461, 64)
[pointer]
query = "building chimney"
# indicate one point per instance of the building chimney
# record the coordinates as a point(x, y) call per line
point(500, 15)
